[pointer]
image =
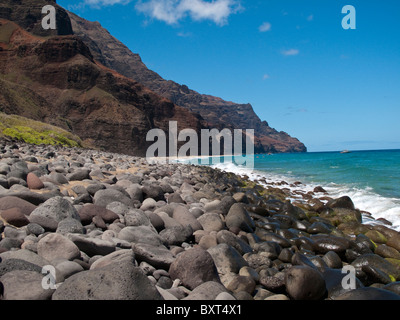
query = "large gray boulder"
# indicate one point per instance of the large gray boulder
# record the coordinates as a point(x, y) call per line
point(116, 281)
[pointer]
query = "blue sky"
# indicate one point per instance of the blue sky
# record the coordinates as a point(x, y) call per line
point(303, 73)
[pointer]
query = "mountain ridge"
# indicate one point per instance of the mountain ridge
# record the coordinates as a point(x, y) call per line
point(76, 78)
point(217, 112)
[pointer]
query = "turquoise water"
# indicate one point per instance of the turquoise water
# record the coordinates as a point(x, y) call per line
point(377, 171)
point(370, 178)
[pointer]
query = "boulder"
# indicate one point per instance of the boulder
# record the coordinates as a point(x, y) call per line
point(104, 197)
point(194, 267)
point(184, 217)
point(9, 202)
point(305, 283)
point(34, 182)
point(140, 234)
point(56, 246)
point(368, 293)
point(159, 257)
point(24, 285)
point(238, 217)
point(51, 212)
point(15, 217)
point(117, 281)
point(227, 259)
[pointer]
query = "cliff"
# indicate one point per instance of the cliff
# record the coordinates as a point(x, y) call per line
point(217, 112)
point(56, 80)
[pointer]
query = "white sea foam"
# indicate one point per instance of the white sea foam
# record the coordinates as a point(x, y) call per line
point(364, 199)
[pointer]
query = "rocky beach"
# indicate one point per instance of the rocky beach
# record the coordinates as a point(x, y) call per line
point(80, 224)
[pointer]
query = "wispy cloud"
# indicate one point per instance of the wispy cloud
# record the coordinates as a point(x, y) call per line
point(184, 34)
point(172, 11)
point(310, 17)
point(290, 52)
point(293, 110)
point(266, 76)
point(266, 26)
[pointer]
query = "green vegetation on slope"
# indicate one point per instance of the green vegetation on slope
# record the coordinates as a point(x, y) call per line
point(35, 132)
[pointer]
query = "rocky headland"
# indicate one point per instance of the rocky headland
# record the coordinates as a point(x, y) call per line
point(114, 227)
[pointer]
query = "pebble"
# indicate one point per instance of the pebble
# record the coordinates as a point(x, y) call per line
point(178, 232)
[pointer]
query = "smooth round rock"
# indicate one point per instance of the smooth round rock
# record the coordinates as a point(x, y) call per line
point(194, 267)
point(305, 283)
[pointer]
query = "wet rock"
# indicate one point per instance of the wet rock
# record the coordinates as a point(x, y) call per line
point(333, 260)
point(369, 293)
point(326, 243)
point(231, 239)
point(394, 287)
point(377, 262)
point(334, 280)
point(343, 202)
point(238, 217)
point(387, 252)
point(305, 283)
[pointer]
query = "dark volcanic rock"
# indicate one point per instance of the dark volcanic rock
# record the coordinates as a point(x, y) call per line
point(369, 293)
point(305, 283)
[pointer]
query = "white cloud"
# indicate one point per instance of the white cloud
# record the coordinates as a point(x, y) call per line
point(290, 52)
point(172, 11)
point(310, 17)
point(266, 26)
point(266, 76)
point(183, 34)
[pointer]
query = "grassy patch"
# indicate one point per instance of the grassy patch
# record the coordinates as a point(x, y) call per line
point(6, 31)
point(35, 132)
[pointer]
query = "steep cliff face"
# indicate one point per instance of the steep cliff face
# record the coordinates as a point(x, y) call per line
point(56, 80)
point(217, 112)
point(81, 78)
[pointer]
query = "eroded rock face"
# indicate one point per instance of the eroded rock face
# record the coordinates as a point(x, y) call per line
point(66, 87)
point(28, 14)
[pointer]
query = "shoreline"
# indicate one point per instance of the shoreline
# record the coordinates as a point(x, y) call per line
point(183, 232)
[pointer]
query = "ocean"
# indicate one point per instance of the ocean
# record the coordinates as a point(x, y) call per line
point(370, 178)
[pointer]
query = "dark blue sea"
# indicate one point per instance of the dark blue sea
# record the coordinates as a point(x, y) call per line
point(370, 178)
